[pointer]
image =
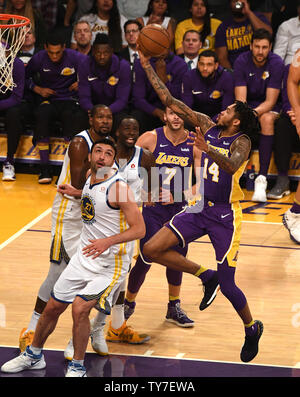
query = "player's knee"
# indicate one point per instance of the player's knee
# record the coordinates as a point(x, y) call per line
point(150, 250)
point(80, 309)
point(54, 308)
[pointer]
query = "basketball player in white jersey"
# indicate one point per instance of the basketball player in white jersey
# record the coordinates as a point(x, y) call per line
point(111, 218)
point(130, 159)
point(66, 220)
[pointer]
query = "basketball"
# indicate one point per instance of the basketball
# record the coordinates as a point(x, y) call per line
point(154, 40)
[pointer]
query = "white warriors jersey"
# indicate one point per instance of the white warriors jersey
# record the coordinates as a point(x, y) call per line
point(101, 220)
point(66, 214)
point(130, 171)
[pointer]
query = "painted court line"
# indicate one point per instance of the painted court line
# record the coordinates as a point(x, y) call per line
point(24, 229)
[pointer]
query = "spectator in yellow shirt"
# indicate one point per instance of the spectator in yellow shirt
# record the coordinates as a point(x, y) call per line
point(200, 20)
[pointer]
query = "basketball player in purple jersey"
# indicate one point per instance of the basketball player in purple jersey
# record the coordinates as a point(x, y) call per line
point(225, 149)
point(174, 161)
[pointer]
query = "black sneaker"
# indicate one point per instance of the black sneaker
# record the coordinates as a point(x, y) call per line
point(45, 176)
point(177, 316)
point(250, 348)
point(210, 289)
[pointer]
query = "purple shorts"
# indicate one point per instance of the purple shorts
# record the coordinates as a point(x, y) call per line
point(155, 218)
point(220, 221)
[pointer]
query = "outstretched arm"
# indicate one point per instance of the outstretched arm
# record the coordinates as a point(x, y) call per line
point(195, 118)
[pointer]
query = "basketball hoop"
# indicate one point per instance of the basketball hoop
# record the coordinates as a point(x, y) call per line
point(13, 29)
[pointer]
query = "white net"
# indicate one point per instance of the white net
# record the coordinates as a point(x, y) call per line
point(13, 30)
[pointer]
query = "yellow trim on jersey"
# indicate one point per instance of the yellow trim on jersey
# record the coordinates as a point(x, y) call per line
point(236, 191)
point(232, 252)
point(59, 220)
point(116, 276)
point(122, 250)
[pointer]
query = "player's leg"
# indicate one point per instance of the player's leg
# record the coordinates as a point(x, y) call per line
point(291, 218)
point(27, 334)
point(284, 143)
point(153, 220)
point(45, 116)
point(253, 328)
point(265, 152)
point(175, 314)
point(225, 237)
point(182, 229)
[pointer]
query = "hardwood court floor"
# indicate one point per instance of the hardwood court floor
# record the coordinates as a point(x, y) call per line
point(268, 272)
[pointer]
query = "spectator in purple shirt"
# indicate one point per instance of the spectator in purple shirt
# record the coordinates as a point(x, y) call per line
point(233, 36)
point(286, 142)
point(105, 79)
point(57, 92)
point(9, 103)
point(147, 107)
point(258, 75)
point(209, 88)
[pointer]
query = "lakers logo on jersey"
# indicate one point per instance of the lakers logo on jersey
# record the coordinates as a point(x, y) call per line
point(67, 71)
point(215, 94)
point(87, 209)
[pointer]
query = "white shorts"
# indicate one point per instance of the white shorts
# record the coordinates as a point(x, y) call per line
point(102, 286)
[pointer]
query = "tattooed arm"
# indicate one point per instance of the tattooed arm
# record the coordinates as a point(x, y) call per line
point(240, 151)
point(183, 111)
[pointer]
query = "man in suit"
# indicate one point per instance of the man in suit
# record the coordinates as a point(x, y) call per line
point(191, 45)
point(132, 30)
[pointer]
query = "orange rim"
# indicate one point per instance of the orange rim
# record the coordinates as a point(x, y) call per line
point(6, 17)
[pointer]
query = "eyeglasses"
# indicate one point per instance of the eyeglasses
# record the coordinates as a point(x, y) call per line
point(132, 31)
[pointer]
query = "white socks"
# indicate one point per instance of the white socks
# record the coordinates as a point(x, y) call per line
point(33, 321)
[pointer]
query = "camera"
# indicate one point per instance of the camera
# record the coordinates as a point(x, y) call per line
point(239, 5)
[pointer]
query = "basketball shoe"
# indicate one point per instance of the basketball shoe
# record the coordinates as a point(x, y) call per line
point(280, 189)
point(26, 360)
point(98, 342)
point(126, 334)
point(177, 316)
point(291, 221)
point(250, 347)
point(260, 188)
point(25, 339)
point(8, 172)
point(210, 289)
point(75, 371)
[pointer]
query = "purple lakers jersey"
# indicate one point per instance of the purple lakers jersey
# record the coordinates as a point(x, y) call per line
point(174, 163)
point(220, 186)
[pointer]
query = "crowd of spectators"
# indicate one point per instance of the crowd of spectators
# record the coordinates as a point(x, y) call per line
point(80, 53)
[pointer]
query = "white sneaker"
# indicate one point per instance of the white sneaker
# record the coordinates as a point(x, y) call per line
point(98, 341)
point(26, 360)
point(260, 188)
point(292, 222)
point(69, 351)
point(76, 371)
point(8, 172)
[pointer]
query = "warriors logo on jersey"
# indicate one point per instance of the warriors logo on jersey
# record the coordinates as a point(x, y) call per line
point(87, 209)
